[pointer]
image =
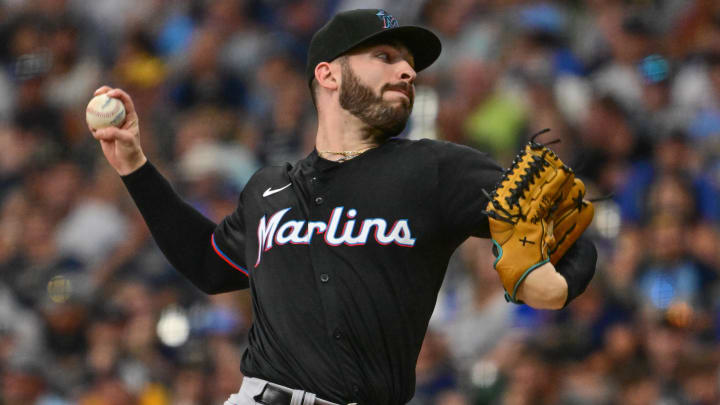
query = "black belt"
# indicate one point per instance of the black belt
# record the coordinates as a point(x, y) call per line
point(276, 395)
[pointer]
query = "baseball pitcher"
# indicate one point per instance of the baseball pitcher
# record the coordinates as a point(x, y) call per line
point(345, 250)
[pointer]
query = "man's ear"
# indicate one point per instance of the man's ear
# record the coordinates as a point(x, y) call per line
point(325, 76)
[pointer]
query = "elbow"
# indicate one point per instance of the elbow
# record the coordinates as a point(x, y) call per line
point(223, 285)
point(217, 276)
point(210, 289)
point(218, 288)
point(204, 286)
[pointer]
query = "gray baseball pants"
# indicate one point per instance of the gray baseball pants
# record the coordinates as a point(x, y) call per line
point(253, 387)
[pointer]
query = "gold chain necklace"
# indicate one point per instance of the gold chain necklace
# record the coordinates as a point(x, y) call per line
point(346, 154)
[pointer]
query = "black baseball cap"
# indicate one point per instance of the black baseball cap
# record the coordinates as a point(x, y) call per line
point(348, 29)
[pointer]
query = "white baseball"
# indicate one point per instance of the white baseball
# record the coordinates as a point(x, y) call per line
point(103, 111)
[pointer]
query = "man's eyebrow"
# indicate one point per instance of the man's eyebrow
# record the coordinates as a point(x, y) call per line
point(403, 50)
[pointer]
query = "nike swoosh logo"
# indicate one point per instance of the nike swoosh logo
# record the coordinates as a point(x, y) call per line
point(270, 191)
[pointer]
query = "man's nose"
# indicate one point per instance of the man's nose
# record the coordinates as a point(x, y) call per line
point(407, 73)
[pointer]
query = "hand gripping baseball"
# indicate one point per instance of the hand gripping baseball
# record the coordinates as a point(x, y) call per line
point(121, 146)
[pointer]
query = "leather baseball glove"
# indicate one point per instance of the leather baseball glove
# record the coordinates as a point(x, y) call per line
point(519, 212)
point(571, 217)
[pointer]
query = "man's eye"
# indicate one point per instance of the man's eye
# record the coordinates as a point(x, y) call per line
point(383, 55)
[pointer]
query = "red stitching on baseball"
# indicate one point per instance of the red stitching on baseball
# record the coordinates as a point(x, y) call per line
point(102, 114)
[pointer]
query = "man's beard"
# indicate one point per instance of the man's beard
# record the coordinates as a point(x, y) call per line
point(384, 119)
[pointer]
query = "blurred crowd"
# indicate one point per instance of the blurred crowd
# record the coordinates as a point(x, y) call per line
point(91, 313)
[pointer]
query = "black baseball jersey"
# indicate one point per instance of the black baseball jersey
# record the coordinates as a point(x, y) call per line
point(345, 261)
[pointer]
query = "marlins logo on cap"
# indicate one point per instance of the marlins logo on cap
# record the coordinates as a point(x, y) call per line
point(388, 20)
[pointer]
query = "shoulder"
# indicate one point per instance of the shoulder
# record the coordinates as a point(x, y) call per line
point(267, 176)
point(446, 153)
point(430, 146)
point(437, 147)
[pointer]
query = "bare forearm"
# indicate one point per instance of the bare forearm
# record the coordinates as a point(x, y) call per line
point(549, 287)
point(544, 288)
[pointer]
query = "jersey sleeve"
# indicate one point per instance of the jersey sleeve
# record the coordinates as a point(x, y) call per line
point(228, 239)
point(463, 173)
point(578, 266)
point(182, 233)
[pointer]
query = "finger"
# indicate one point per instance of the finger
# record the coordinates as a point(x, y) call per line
point(92, 130)
point(125, 98)
point(101, 90)
point(105, 142)
point(113, 134)
point(131, 122)
point(104, 134)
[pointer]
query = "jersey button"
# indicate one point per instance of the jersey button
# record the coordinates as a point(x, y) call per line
point(315, 180)
point(324, 277)
point(337, 334)
point(319, 200)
